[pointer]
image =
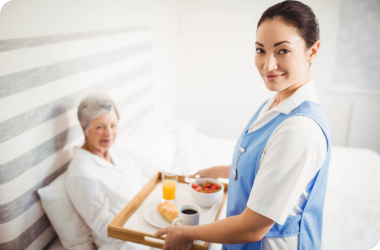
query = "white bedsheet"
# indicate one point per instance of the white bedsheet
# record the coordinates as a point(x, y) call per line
point(352, 206)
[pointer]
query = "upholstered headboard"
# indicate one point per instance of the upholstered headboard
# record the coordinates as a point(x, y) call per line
point(40, 90)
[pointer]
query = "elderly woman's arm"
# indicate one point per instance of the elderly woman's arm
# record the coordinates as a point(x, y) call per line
point(89, 199)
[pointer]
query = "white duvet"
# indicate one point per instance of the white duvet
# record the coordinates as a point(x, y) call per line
point(352, 205)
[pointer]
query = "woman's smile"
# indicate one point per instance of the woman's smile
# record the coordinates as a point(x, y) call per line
point(273, 77)
point(106, 140)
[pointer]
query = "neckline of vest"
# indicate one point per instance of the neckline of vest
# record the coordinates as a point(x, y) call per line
point(282, 114)
point(262, 127)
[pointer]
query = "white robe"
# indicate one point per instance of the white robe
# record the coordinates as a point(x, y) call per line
point(99, 190)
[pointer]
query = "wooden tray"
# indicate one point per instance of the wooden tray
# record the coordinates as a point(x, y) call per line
point(117, 230)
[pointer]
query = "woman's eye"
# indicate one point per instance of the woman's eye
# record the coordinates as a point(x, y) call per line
point(99, 127)
point(283, 51)
point(114, 125)
point(259, 51)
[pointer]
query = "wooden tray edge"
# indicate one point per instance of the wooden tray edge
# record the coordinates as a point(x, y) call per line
point(117, 231)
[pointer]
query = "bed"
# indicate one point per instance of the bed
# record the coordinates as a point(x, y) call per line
point(38, 130)
point(351, 214)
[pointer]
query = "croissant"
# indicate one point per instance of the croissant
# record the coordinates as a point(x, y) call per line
point(168, 210)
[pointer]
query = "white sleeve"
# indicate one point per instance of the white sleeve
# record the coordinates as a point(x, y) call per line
point(90, 200)
point(293, 155)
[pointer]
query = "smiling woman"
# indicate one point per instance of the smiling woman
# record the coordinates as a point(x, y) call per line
point(101, 177)
point(277, 182)
point(287, 43)
point(98, 116)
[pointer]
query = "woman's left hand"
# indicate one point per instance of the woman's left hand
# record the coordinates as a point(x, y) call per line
point(175, 238)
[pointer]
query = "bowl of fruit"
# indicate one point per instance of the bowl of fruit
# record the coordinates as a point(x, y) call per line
point(206, 191)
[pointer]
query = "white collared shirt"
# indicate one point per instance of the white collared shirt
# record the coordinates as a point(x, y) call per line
point(99, 190)
point(293, 155)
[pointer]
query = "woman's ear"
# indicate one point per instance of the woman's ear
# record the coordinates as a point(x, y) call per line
point(313, 51)
point(84, 130)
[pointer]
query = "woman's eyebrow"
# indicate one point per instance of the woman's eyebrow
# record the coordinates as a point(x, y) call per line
point(276, 44)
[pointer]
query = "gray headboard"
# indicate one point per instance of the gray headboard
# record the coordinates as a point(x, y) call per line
point(42, 81)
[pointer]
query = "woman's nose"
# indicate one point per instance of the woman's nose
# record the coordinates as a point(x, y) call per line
point(107, 131)
point(270, 63)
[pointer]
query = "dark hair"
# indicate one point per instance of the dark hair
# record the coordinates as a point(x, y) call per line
point(298, 15)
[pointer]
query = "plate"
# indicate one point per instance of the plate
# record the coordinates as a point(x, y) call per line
point(153, 217)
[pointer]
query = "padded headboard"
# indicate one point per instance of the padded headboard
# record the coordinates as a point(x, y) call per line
point(42, 81)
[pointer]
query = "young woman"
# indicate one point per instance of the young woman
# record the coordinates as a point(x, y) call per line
point(277, 181)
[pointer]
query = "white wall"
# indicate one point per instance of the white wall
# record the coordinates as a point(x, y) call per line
point(206, 50)
point(218, 83)
point(25, 18)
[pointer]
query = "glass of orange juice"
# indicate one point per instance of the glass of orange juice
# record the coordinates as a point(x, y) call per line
point(169, 183)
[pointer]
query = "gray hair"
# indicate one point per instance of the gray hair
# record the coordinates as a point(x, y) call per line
point(93, 106)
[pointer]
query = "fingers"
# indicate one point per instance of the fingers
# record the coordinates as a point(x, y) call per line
point(193, 175)
point(160, 232)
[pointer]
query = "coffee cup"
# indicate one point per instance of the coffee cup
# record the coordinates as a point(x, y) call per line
point(188, 215)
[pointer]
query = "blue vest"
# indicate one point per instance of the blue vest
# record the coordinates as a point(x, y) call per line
point(246, 157)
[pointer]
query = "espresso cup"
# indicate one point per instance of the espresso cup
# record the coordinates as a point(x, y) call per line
point(188, 215)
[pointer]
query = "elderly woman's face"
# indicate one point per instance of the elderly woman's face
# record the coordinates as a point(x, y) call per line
point(281, 55)
point(102, 130)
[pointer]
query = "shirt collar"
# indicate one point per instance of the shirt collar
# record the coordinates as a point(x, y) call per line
point(84, 154)
point(299, 96)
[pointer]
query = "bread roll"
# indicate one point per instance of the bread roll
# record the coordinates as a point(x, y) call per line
point(168, 210)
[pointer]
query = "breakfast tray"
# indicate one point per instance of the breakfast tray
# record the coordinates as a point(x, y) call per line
point(130, 225)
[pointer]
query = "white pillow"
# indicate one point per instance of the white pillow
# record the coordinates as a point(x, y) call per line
point(70, 227)
point(153, 148)
point(198, 151)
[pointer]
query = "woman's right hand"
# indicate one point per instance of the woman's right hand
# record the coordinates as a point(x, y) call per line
point(213, 172)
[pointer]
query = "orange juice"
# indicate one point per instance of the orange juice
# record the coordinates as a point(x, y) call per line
point(169, 189)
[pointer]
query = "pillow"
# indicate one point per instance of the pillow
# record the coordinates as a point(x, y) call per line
point(198, 151)
point(70, 227)
point(153, 149)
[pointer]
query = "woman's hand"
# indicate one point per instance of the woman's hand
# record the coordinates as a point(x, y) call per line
point(214, 172)
point(249, 226)
point(175, 238)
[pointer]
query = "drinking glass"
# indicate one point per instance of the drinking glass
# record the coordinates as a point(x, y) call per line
point(169, 183)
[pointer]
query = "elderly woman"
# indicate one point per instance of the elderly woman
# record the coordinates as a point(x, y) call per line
point(101, 178)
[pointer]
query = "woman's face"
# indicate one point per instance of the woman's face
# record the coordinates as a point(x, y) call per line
point(102, 131)
point(281, 55)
